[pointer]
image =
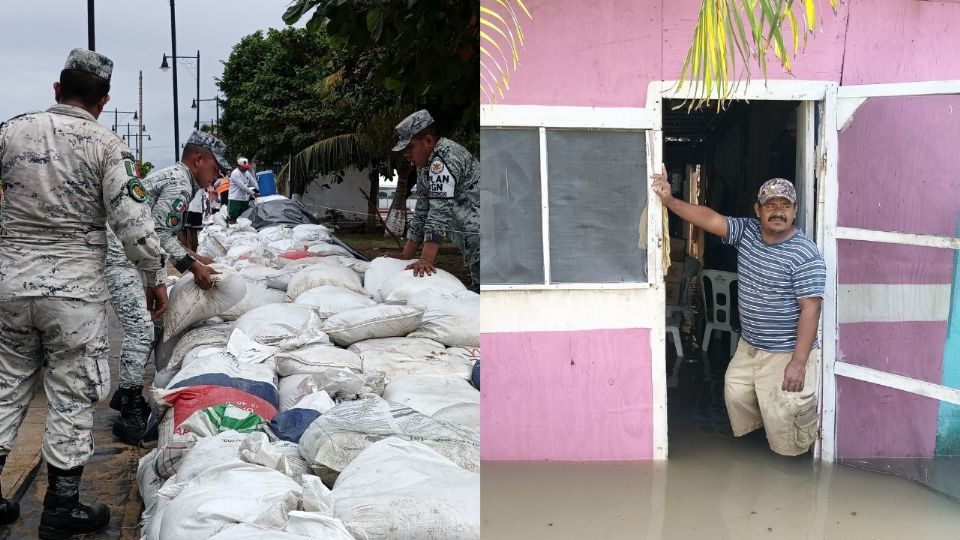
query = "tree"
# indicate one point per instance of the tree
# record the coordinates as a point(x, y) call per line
point(271, 85)
point(721, 35)
point(426, 52)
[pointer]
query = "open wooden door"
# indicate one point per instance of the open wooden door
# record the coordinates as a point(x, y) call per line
point(889, 189)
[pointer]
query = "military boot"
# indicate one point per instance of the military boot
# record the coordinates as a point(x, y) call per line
point(63, 516)
point(134, 411)
point(9, 510)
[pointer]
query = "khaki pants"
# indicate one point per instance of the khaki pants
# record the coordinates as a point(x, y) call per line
point(754, 398)
point(63, 342)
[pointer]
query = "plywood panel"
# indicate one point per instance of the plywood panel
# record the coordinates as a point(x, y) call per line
point(577, 396)
point(875, 421)
point(911, 349)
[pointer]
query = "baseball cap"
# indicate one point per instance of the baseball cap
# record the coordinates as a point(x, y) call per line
point(410, 126)
point(213, 144)
point(89, 62)
point(243, 163)
point(777, 187)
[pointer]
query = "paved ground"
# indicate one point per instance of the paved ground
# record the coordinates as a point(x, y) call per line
point(110, 476)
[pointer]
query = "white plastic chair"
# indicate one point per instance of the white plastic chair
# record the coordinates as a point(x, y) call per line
point(676, 314)
point(719, 301)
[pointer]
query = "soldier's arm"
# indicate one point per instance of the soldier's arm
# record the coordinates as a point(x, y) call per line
point(443, 207)
point(168, 218)
point(127, 214)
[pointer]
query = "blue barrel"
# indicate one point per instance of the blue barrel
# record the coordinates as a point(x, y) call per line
point(267, 183)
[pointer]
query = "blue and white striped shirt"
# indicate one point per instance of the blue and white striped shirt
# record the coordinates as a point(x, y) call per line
point(771, 277)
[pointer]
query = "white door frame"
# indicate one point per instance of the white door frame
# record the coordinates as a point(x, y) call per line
point(810, 94)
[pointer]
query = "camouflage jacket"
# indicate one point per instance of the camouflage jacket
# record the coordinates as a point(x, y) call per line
point(169, 190)
point(65, 179)
point(448, 195)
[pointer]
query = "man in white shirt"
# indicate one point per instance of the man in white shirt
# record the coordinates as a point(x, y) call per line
point(243, 187)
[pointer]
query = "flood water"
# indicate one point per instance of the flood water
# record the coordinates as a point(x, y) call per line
point(712, 487)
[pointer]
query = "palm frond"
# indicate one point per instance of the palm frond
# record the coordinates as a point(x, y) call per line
point(499, 49)
point(721, 37)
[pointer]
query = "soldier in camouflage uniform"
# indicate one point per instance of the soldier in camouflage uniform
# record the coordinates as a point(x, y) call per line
point(168, 191)
point(65, 177)
point(448, 196)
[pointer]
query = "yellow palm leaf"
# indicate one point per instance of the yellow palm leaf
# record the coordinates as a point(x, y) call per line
point(506, 34)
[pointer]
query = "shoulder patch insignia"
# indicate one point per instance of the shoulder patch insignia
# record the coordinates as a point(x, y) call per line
point(442, 183)
point(132, 169)
point(178, 206)
point(173, 220)
point(136, 190)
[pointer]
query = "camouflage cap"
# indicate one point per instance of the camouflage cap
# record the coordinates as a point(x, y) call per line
point(777, 187)
point(89, 62)
point(410, 126)
point(213, 144)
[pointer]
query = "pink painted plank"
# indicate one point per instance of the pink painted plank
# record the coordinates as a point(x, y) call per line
point(911, 349)
point(571, 396)
point(872, 262)
point(877, 422)
point(896, 173)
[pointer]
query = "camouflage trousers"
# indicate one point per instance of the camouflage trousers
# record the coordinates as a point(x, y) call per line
point(469, 245)
point(130, 305)
point(63, 342)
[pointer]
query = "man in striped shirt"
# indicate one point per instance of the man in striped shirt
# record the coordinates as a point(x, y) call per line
point(770, 382)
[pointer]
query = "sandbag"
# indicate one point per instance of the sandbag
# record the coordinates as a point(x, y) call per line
point(258, 273)
point(400, 287)
point(328, 300)
point(380, 321)
point(289, 425)
point(335, 438)
point(426, 497)
point(304, 233)
point(428, 394)
point(379, 271)
point(189, 304)
point(338, 383)
point(461, 414)
point(227, 494)
point(148, 482)
point(215, 335)
point(272, 323)
point(323, 274)
point(316, 358)
point(257, 295)
point(396, 357)
point(323, 249)
point(450, 318)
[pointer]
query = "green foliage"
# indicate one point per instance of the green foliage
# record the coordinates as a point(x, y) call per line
point(424, 52)
point(272, 85)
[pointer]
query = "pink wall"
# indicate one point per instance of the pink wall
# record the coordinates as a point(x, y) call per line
point(875, 421)
point(566, 396)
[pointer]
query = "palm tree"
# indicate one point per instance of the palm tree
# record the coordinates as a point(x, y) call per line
point(721, 35)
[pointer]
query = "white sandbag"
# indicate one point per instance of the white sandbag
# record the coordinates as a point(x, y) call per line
point(281, 246)
point(426, 497)
point(396, 357)
point(470, 353)
point(328, 300)
point(211, 249)
point(335, 438)
point(244, 531)
point(450, 318)
point(149, 482)
point(274, 233)
point(428, 394)
point(290, 392)
point(379, 271)
point(281, 456)
point(215, 335)
point(245, 249)
point(461, 414)
point(323, 274)
point(214, 361)
point(315, 525)
point(316, 358)
point(228, 494)
point(380, 321)
point(323, 249)
point(316, 401)
point(208, 452)
point(308, 232)
point(400, 287)
point(189, 304)
point(257, 295)
point(244, 224)
point(281, 279)
point(257, 273)
point(272, 323)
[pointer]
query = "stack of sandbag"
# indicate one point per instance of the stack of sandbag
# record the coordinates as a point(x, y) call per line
point(442, 397)
point(396, 357)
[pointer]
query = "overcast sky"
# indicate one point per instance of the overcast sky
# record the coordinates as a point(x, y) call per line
point(135, 34)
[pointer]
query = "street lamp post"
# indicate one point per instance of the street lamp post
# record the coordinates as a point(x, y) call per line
point(116, 116)
point(132, 136)
point(196, 105)
point(164, 66)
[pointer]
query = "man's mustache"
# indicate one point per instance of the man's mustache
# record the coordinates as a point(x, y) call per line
point(777, 218)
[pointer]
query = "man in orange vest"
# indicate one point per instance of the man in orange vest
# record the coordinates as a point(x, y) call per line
point(222, 188)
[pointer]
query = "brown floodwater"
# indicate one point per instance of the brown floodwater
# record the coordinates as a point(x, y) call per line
point(712, 487)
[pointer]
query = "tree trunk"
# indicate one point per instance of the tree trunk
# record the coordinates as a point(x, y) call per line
point(373, 200)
